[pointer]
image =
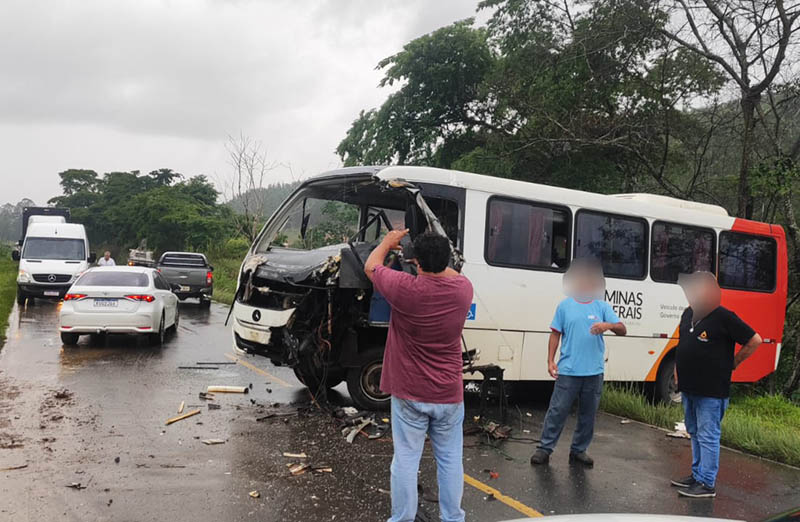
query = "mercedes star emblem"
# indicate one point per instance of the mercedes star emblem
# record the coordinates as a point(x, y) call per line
point(256, 315)
point(51, 278)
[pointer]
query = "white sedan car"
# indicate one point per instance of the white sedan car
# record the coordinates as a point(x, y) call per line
point(119, 299)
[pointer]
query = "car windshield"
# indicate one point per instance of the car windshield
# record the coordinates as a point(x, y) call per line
point(333, 212)
point(54, 248)
point(113, 278)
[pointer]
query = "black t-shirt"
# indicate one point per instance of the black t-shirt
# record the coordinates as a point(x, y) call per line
point(705, 356)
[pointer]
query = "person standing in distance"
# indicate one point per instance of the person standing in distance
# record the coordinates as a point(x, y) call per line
point(579, 323)
point(704, 361)
point(106, 260)
point(422, 369)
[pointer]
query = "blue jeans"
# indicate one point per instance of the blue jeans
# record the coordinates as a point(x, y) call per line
point(704, 423)
point(443, 423)
point(587, 390)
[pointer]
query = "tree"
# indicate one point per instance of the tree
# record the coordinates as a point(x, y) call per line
point(748, 40)
point(246, 183)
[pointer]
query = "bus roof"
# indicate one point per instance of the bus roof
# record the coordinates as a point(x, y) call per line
point(643, 205)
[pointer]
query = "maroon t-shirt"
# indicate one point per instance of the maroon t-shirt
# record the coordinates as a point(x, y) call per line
point(422, 361)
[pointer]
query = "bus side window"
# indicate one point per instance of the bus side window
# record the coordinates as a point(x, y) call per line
point(527, 235)
point(680, 249)
point(747, 262)
point(619, 242)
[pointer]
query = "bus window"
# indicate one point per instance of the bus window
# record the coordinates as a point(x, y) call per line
point(680, 249)
point(618, 242)
point(447, 212)
point(747, 262)
point(527, 235)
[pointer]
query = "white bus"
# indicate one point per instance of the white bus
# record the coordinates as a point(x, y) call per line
point(303, 300)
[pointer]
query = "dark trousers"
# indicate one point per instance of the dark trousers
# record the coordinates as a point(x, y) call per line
point(587, 390)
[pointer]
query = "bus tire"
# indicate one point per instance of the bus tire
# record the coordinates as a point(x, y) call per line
point(363, 382)
point(666, 389)
point(310, 375)
point(21, 297)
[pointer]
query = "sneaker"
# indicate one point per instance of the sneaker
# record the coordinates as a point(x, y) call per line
point(582, 458)
point(685, 482)
point(540, 457)
point(698, 490)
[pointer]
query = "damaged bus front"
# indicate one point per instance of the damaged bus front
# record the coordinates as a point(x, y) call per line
point(303, 299)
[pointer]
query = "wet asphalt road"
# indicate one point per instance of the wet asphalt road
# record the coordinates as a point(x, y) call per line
point(119, 393)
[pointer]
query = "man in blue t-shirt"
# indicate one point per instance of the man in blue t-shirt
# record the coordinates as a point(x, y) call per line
point(579, 323)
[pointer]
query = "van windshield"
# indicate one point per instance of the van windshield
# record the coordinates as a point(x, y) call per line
point(54, 248)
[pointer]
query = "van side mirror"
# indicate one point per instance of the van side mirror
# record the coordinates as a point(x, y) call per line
point(92, 258)
point(15, 255)
point(175, 287)
point(211, 267)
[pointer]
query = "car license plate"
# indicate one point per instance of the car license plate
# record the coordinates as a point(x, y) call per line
point(51, 293)
point(105, 303)
point(185, 288)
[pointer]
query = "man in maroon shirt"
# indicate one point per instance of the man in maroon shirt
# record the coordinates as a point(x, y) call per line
point(422, 369)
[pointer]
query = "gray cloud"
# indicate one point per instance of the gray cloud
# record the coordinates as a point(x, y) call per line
point(138, 84)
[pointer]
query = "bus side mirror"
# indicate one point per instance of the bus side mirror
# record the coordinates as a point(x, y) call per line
point(211, 267)
point(92, 258)
point(15, 255)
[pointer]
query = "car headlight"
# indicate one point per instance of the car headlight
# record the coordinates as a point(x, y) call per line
point(23, 277)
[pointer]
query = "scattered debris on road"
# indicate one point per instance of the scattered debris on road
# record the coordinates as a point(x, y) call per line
point(254, 494)
point(295, 455)
point(210, 363)
point(211, 442)
point(76, 485)
point(625, 421)
point(14, 468)
point(298, 468)
point(198, 367)
point(206, 396)
point(181, 417)
point(212, 406)
point(180, 408)
point(116, 460)
point(227, 389)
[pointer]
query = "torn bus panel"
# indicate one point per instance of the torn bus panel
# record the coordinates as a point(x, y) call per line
point(303, 299)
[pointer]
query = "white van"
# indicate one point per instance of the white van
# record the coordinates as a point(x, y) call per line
point(52, 256)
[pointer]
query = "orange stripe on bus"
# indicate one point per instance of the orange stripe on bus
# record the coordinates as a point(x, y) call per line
point(672, 343)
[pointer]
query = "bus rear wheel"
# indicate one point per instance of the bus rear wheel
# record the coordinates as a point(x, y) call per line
point(666, 387)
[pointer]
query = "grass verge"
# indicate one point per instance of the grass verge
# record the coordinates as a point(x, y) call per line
point(226, 260)
point(8, 288)
point(766, 426)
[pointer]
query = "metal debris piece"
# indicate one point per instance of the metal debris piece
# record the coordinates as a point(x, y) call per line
point(206, 396)
point(351, 436)
point(76, 485)
point(212, 406)
point(181, 417)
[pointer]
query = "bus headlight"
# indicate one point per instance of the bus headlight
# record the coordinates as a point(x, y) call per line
point(23, 277)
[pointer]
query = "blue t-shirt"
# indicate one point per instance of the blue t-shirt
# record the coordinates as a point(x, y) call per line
point(582, 354)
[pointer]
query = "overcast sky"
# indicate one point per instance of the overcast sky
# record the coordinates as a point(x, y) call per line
point(144, 84)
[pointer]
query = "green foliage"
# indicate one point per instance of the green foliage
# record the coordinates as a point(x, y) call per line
point(11, 220)
point(586, 99)
point(122, 208)
point(766, 426)
point(8, 289)
point(226, 258)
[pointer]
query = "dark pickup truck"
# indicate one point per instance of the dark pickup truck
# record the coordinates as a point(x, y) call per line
point(189, 274)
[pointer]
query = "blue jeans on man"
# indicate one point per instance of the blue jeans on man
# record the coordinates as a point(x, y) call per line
point(703, 419)
point(443, 423)
point(587, 390)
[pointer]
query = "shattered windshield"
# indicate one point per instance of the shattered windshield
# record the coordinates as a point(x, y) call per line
point(332, 212)
point(314, 223)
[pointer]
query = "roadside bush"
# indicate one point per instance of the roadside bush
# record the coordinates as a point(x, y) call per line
point(226, 258)
point(8, 288)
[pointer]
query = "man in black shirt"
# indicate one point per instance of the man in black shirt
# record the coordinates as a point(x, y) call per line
point(704, 362)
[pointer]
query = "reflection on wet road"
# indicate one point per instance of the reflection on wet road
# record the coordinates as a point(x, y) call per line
point(95, 414)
